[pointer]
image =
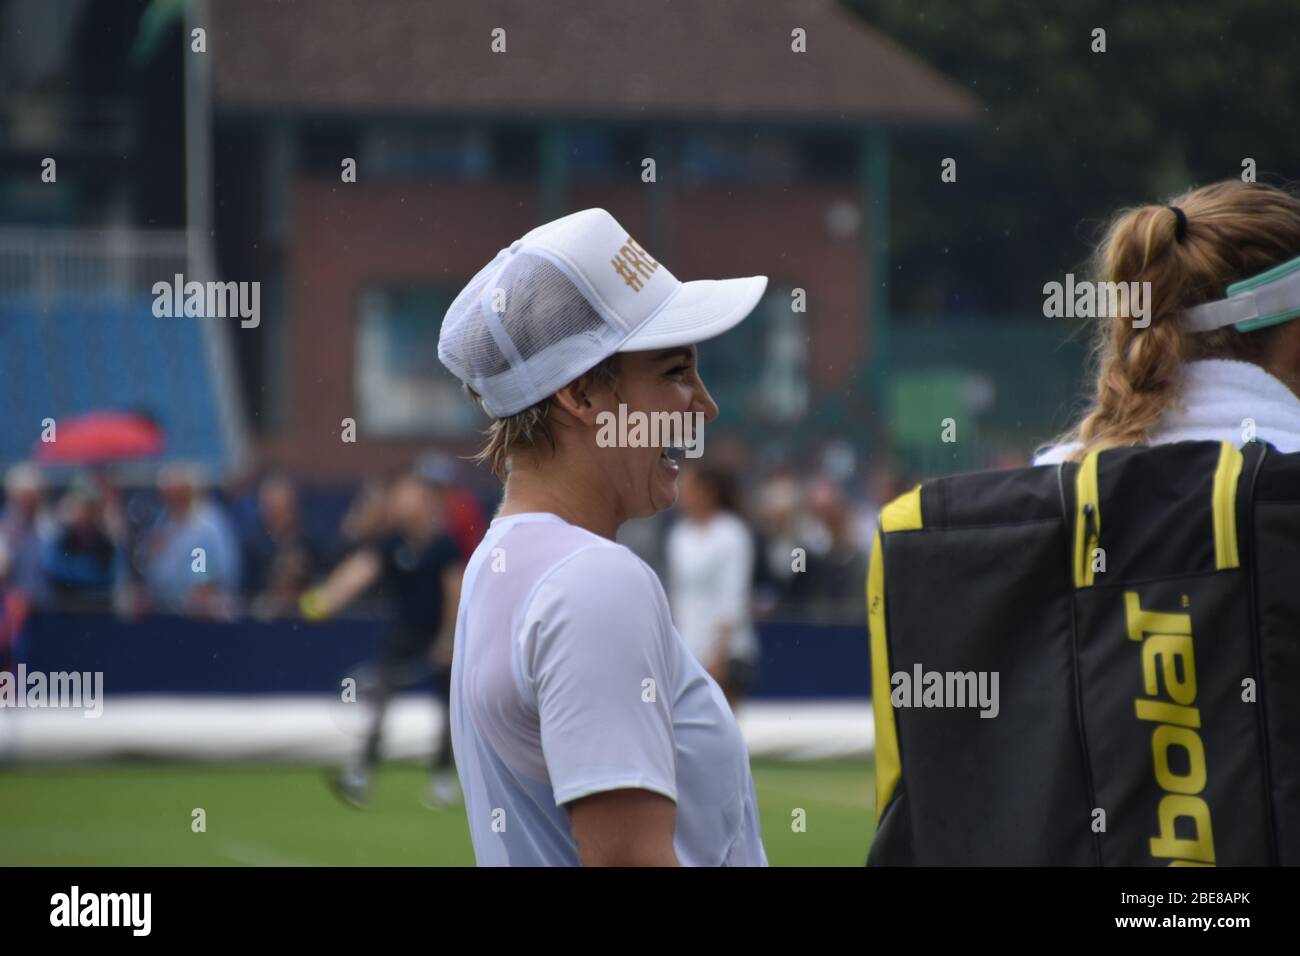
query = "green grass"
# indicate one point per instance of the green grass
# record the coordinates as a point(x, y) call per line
point(139, 814)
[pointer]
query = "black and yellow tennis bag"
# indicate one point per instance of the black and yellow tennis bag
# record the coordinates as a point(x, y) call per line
point(1091, 664)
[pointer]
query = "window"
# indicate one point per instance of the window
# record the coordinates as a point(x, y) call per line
point(713, 156)
point(402, 388)
point(602, 152)
point(398, 152)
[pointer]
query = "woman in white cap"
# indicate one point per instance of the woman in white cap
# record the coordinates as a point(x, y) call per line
point(585, 732)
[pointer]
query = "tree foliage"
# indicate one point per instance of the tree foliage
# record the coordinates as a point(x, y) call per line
point(1185, 90)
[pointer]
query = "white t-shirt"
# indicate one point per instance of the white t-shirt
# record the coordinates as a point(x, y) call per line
point(569, 679)
point(710, 570)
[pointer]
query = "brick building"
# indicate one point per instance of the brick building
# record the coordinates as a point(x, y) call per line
point(766, 160)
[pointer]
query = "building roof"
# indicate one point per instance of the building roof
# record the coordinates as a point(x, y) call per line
point(612, 59)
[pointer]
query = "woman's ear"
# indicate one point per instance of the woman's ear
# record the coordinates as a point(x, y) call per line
point(592, 393)
point(576, 399)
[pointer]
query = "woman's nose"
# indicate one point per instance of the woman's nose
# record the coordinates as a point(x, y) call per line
point(704, 403)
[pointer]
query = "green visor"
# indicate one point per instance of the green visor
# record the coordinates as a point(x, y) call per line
point(1255, 303)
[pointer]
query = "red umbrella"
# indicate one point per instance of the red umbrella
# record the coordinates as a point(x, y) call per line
point(100, 437)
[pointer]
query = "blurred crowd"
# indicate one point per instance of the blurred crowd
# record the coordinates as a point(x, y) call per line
point(809, 535)
point(796, 545)
point(186, 546)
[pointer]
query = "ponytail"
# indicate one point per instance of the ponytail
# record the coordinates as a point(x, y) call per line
point(1189, 251)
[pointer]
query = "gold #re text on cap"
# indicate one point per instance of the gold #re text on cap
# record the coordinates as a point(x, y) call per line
point(633, 264)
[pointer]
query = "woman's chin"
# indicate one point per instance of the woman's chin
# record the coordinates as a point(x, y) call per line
point(663, 492)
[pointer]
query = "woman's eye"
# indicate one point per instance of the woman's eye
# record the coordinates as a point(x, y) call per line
point(680, 370)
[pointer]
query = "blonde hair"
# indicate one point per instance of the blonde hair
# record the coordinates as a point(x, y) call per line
point(531, 430)
point(1233, 230)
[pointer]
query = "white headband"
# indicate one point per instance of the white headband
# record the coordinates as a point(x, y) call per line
point(1255, 303)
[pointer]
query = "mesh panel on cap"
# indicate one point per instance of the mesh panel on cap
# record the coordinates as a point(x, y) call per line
point(545, 335)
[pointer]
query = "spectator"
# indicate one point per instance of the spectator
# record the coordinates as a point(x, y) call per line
point(13, 611)
point(883, 484)
point(710, 574)
point(178, 579)
point(834, 586)
point(463, 517)
point(783, 528)
point(280, 558)
point(83, 560)
point(25, 528)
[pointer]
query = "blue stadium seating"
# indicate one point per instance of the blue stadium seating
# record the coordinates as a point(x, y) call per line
point(98, 353)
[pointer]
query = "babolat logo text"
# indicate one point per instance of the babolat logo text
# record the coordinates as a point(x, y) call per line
point(1167, 658)
point(683, 430)
point(956, 689)
point(61, 689)
point(102, 909)
point(1090, 300)
point(209, 300)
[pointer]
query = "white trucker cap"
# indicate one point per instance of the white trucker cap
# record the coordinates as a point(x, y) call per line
point(564, 298)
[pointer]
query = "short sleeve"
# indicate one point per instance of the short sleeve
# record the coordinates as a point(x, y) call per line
point(596, 660)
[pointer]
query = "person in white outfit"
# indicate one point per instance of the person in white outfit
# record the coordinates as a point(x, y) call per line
point(585, 732)
point(1220, 359)
point(710, 580)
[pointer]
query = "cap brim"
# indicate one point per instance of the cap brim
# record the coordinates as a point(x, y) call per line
point(698, 311)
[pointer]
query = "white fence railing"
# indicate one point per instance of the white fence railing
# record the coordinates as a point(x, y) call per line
point(52, 265)
point(55, 263)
